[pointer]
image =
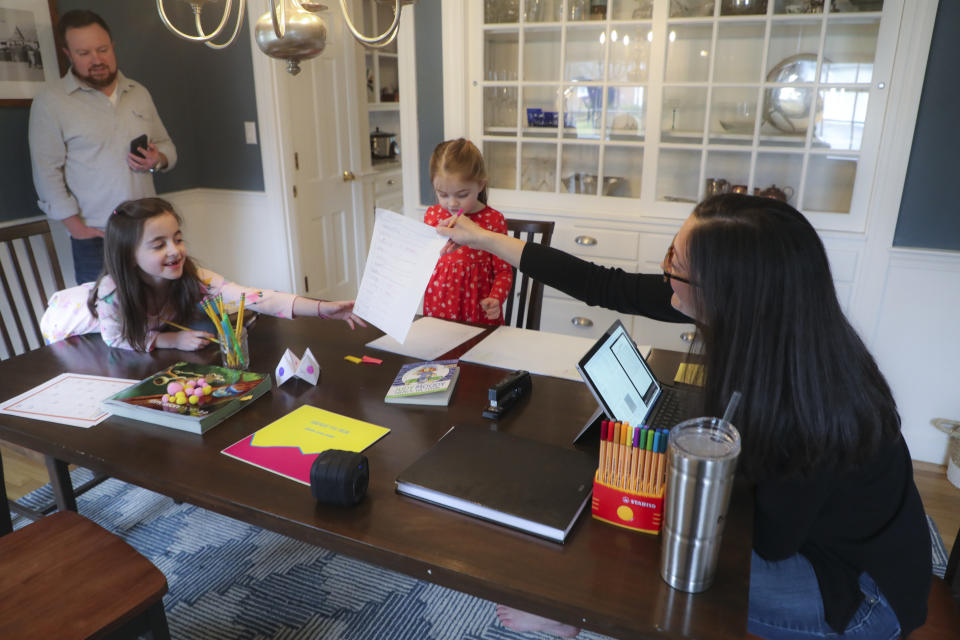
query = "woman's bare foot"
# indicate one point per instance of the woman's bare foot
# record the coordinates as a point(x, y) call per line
point(523, 621)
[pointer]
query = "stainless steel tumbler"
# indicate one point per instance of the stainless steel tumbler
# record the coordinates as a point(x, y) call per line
point(701, 460)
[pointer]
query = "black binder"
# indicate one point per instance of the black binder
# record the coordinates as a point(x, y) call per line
point(524, 484)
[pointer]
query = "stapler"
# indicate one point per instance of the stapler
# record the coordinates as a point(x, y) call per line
point(505, 393)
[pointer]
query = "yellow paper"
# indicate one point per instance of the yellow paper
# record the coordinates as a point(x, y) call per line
point(690, 373)
point(353, 359)
point(314, 430)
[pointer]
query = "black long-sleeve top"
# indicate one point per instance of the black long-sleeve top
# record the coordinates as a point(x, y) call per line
point(634, 293)
point(844, 522)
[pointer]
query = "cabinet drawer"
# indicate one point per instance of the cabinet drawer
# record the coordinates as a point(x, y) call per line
point(386, 183)
point(661, 335)
point(594, 243)
point(390, 201)
point(573, 318)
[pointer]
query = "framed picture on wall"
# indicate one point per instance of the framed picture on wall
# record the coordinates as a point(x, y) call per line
point(28, 51)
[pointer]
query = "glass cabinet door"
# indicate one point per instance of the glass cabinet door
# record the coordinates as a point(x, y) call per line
point(565, 85)
point(673, 100)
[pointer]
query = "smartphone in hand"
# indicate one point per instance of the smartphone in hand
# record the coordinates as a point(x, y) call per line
point(137, 143)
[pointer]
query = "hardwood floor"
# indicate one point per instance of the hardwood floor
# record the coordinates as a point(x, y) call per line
point(24, 471)
point(940, 499)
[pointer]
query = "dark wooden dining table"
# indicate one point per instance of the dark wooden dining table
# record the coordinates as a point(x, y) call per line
point(605, 578)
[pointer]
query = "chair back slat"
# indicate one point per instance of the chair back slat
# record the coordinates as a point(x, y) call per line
point(29, 278)
point(530, 301)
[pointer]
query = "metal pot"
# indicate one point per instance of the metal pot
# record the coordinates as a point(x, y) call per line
point(383, 145)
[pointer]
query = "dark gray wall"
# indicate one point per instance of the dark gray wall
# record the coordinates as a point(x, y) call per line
point(929, 210)
point(429, 89)
point(17, 197)
point(203, 96)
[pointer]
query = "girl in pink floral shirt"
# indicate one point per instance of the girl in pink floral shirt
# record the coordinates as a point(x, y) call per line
point(149, 279)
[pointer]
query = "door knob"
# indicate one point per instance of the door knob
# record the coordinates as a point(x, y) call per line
point(348, 176)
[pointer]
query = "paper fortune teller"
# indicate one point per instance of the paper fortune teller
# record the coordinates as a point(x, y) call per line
point(305, 368)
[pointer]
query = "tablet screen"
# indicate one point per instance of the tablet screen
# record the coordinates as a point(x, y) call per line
point(618, 377)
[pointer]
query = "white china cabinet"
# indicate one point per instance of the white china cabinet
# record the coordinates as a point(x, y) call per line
point(613, 117)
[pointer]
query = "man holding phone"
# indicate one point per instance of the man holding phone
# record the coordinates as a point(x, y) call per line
point(95, 140)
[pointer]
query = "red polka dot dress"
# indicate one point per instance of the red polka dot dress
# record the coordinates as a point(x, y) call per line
point(464, 277)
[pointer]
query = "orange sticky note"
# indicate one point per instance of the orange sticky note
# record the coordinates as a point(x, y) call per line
point(369, 360)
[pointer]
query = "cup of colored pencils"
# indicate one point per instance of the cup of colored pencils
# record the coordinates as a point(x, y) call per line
point(234, 348)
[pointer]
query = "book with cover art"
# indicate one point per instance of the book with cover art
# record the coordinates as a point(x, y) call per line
point(191, 397)
point(429, 383)
point(289, 446)
point(524, 484)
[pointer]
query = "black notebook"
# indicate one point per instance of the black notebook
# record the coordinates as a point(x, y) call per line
point(531, 486)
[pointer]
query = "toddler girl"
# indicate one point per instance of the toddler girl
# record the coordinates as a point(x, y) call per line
point(467, 284)
point(148, 279)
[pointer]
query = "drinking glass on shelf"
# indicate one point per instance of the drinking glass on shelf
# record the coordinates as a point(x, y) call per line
point(577, 10)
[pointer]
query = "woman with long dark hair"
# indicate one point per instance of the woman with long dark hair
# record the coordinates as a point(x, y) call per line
point(841, 544)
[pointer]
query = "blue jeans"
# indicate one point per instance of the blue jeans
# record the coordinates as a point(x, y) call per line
point(87, 259)
point(785, 604)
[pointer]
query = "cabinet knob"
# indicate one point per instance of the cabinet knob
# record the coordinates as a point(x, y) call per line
point(580, 321)
point(585, 241)
point(348, 176)
point(688, 336)
point(391, 182)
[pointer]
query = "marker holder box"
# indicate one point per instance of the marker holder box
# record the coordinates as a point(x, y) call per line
point(637, 511)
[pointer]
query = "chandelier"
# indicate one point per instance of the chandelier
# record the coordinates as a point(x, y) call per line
point(292, 30)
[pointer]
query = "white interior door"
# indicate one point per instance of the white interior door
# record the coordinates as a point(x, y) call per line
point(323, 130)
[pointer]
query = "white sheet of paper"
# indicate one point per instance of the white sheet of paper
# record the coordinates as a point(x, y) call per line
point(403, 254)
point(428, 339)
point(70, 398)
point(549, 354)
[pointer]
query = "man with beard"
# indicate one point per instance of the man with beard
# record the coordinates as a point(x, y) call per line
point(80, 132)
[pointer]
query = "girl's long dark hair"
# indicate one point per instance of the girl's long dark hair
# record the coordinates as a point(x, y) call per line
point(123, 234)
point(772, 328)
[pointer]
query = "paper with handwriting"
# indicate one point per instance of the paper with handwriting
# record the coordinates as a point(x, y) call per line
point(403, 254)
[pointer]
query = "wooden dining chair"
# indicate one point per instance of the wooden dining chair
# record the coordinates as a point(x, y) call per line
point(529, 304)
point(67, 577)
point(29, 274)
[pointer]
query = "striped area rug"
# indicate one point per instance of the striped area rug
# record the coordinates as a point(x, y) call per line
point(230, 580)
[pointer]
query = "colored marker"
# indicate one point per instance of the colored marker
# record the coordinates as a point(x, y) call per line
point(611, 451)
point(625, 433)
point(648, 460)
point(627, 453)
point(641, 438)
point(635, 466)
point(603, 451)
point(618, 452)
point(662, 460)
point(625, 441)
point(655, 463)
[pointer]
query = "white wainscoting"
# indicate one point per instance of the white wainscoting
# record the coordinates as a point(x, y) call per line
point(236, 234)
point(917, 344)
